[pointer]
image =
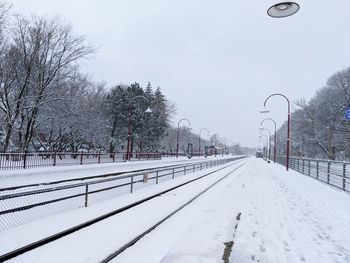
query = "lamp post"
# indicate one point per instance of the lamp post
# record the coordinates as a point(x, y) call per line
point(264, 129)
point(199, 139)
point(283, 9)
point(275, 136)
point(266, 141)
point(148, 110)
point(177, 135)
point(288, 125)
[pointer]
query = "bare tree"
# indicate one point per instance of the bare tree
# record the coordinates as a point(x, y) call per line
point(43, 50)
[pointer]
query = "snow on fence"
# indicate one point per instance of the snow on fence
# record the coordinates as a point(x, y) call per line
point(25, 204)
point(334, 173)
point(9, 161)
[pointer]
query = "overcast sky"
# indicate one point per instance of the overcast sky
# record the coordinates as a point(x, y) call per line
point(216, 60)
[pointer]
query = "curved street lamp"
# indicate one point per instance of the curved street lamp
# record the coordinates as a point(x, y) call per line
point(266, 140)
point(275, 137)
point(177, 135)
point(283, 9)
point(148, 110)
point(288, 125)
point(199, 140)
point(264, 129)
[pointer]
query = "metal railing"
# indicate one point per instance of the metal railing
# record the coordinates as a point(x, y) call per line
point(334, 173)
point(9, 161)
point(26, 204)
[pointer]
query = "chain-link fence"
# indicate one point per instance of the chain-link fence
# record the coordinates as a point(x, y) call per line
point(24, 204)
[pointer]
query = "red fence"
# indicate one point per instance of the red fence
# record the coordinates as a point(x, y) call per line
point(194, 154)
point(33, 159)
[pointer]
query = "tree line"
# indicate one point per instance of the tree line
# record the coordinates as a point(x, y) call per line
point(319, 128)
point(48, 104)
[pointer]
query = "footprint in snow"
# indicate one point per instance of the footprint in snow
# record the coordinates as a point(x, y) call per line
point(302, 258)
point(262, 248)
point(286, 246)
point(254, 233)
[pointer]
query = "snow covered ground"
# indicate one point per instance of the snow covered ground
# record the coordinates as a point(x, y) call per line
point(12, 213)
point(285, 217)
point(264, 212)
point(122, 228)
point(282, 217)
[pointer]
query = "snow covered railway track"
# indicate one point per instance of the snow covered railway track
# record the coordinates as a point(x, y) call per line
point(24, 204)
point(55, 237)
point(44, 185)
point(153, 227)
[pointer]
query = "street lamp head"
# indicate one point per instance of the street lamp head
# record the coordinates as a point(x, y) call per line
point(283, 9)
point(148, 110)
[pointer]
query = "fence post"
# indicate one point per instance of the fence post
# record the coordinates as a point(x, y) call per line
point(99, 157)
point(114, 157)
point(157, 177)
point(291, 162)
point(54, 158)
point(298, 165)
point(81, 158)
point(309, 167)
point(303, 167)
point(317, 168)
point(86, 194)
point(194, 168)
point(173, 173)
point(132, 184)
point(344, 176)
point(25, 159)
point(201, 167)
point(184, 170)
point(328, 171)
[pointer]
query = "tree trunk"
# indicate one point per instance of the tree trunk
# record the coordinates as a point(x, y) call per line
point(111, 145)
point(7, 137)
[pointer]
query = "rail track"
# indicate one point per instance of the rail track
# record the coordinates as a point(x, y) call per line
point(49, 239)
point(101, 176)
point(27, 203)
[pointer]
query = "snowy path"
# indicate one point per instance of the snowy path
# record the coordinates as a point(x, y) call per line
point(285, 217)
point(288, 217)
